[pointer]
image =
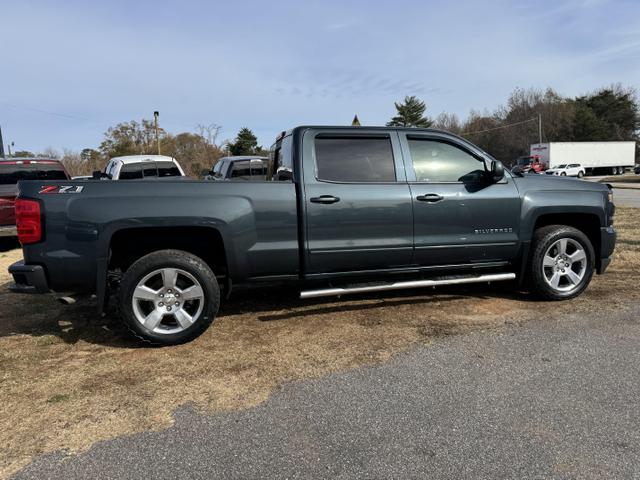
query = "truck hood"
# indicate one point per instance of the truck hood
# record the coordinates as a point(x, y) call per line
point(556, 183)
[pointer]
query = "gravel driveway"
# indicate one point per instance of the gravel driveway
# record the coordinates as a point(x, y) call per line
point(549, 399)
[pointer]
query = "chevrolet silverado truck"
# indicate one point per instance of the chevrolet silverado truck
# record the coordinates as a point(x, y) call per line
point(343, 210)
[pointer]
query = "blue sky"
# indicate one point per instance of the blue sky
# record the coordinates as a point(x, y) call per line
point(72, 69)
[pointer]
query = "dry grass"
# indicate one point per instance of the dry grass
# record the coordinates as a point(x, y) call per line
point(68, 378)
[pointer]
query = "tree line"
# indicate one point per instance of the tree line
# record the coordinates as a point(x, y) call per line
point(196, 151)
point(607, 114)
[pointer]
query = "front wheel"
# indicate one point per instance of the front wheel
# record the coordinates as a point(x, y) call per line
point(564, 174)
point(580, 174)
point(562, 262)
point(168, 297)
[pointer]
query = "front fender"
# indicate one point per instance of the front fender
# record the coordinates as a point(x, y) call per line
point(535, 204)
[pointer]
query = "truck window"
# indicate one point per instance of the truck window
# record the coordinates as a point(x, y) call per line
point(241, 170)
point(258, 170)
point(280, 167)
point(131, 171)
point(149, 169)
point(168, 169)
point(437, 161)
point(11, 172)
point(354, 159)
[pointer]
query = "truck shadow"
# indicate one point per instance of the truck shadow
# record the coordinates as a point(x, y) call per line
point(48, 322)
point(283, 304)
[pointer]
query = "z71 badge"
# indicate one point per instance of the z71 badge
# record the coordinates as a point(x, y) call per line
point(61, 189)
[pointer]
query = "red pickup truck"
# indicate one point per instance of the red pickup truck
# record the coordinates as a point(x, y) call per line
point(13, 170)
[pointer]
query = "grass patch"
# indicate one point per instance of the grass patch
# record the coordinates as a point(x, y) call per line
point(260, 340)
point(60, 397)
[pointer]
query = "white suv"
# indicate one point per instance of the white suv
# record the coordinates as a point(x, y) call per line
point(570, 170)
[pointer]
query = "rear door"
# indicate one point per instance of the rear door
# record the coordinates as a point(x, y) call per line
point(357, 203)
point(459, 216)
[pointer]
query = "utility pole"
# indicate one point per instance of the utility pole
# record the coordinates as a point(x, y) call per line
point(540, 127)
point(1, 145)
point(9, 145)
point(156, 114)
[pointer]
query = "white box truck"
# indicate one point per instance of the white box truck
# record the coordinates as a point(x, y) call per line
point(608, 158)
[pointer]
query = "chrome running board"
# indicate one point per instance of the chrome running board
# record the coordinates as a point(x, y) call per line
point(327, 292)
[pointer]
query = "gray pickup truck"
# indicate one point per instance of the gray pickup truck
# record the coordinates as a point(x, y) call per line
point(344, 210)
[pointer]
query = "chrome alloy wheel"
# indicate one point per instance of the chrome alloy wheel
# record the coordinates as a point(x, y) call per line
point(168, 300)
point(564, 265)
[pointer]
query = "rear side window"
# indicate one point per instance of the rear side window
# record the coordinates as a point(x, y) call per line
point(168, 169)
point(354, 159)
point(132, 171)
point(12, 173)
point(436, 161)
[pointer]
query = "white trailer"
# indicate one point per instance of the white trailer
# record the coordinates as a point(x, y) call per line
point(596, 157)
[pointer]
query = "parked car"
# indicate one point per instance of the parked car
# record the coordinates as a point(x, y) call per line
point(247, 168)
point(13, 170)
point(570, 170)
point(343, 210)
point(636, 170)
point(137, 167)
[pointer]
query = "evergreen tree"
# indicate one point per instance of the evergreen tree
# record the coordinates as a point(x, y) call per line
point(246, 143)
point(410, 114)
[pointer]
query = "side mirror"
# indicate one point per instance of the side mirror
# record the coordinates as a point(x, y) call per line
point(497, 171)
point(98, 175)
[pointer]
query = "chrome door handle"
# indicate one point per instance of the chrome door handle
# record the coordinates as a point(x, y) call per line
point(429, 197)
point(325, 199)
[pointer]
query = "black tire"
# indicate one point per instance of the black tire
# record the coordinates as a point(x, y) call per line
point(543, 239)
point(169, 259)
point(563, 174)
point(580, 174)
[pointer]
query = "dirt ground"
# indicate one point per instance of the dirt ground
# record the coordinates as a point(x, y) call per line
point(69, 378)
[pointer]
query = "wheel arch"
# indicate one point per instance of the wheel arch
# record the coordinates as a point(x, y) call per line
point(128, 244)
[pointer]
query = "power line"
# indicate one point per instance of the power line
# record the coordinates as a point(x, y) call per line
point(535, 119)
point(63, 115)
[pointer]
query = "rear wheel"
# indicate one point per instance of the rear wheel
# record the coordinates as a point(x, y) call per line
point(168, 297)
point(562, 262)
point(580, 174)
point(564, 174)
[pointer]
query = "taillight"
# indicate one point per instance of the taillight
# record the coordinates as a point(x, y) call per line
point(28, 221)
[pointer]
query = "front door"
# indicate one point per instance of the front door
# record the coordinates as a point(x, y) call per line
point(358, 212)
point(459, 216)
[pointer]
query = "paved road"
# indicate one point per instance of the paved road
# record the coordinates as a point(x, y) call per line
point(549, 399)
point(627, 197)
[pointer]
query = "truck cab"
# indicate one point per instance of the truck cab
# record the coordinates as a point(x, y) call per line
point(137, 167)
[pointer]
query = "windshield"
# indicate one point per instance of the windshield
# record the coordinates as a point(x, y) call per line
point(524, 161)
